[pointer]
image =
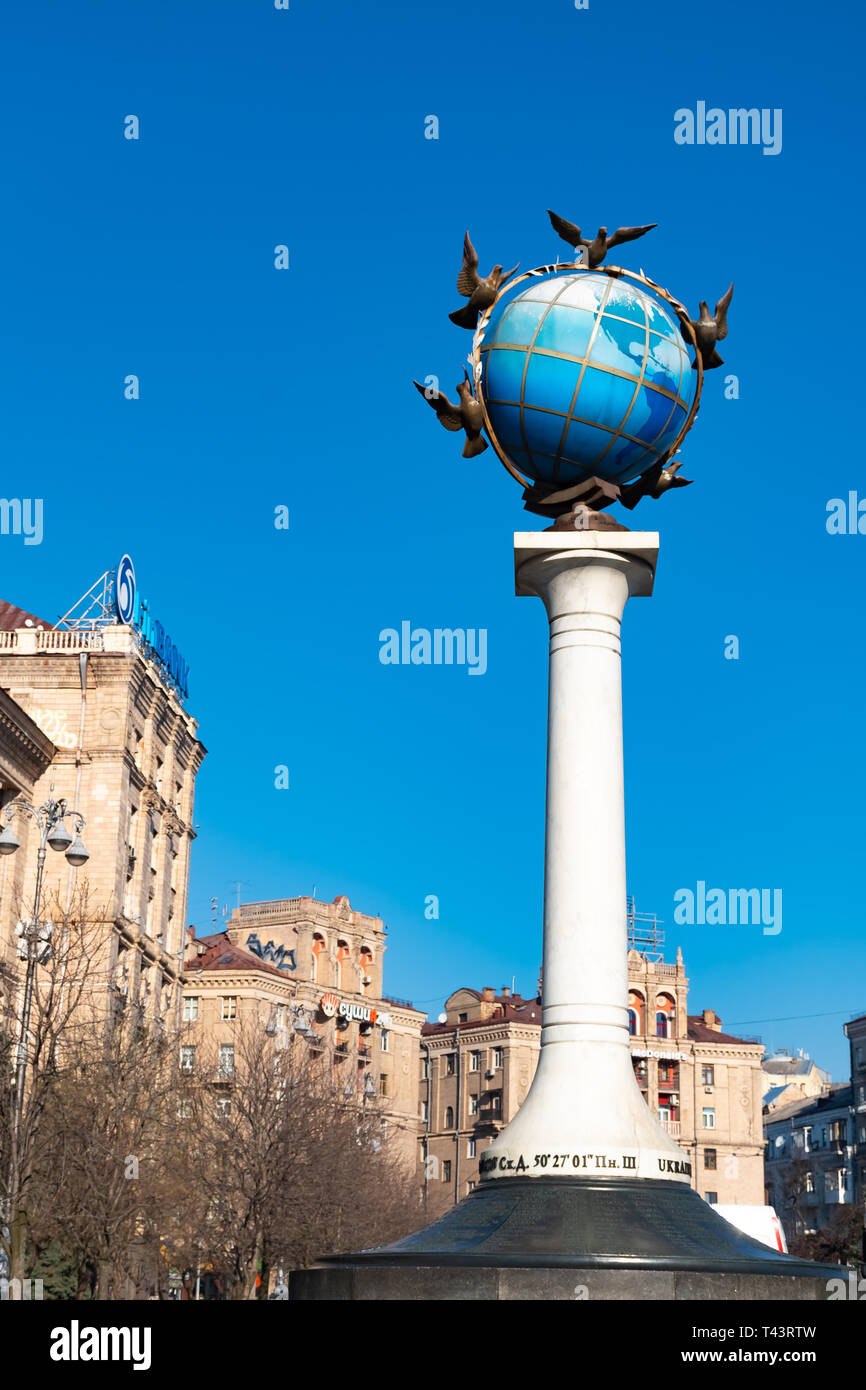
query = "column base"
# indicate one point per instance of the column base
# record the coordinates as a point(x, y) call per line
point(540, 1228)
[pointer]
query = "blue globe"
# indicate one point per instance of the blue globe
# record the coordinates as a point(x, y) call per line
point(585, 374)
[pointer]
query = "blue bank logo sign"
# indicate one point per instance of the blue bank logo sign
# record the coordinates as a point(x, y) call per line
point(133, 611)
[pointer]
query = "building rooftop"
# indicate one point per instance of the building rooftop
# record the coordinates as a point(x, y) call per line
point(512, 1008)
point(791, 1066)
point(222, 954)
point(12, 618)
point(840, 1098)
point(699, 1031)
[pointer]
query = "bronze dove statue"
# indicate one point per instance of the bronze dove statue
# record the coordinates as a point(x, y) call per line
point(480, 292)
point(653, 483)
point(465, 415)
point(709, 331)
point(597, 249)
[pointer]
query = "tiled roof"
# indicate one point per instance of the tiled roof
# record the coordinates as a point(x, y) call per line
point(699, 1032)
point(789, 1066)
point(222, 954)
point(773, 1094)
point(525, 1011)
point(12, 617)
point(839, 1099)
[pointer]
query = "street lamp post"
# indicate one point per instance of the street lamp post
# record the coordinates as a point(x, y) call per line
point(50, 818)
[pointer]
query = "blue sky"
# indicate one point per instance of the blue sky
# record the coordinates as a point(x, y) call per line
point(261, 387)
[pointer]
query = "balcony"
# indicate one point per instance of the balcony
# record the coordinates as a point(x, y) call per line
point(671, 1127)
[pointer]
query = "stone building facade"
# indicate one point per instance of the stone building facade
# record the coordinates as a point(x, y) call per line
point(332, 958)
point(810, 1159)
point(855, 1032)
point(125, 754)
point(704, 1084)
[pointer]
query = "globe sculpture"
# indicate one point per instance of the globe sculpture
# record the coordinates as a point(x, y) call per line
point(584, 374)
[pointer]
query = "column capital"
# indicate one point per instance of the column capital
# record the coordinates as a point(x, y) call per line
point(638, 550)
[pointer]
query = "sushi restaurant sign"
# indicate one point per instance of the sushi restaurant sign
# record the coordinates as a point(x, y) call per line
point(331, 1004)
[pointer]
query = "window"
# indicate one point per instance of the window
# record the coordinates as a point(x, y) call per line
point(449, 1117)
point(496, 1102)
point(473, 1105)
point(187, 1059)
point(708, 1117)
point(190, 1008)
point(230, 1006)
point(475, 1061)
point(383, 1084)
point(632, 1022)
point(226, 1065)
point(462, 1018)
point(318, 949)
point(830, 1182)
point(709, 1158)
point(712, 1198)
point(425, 1110)
point(366, 967)
point(184, 1110)
point(223, 1107)
point(471, 1148)
point(497, 1058)
point(342, 958)
point(663, 1025)
point(708, 1076)
point(450, 1064)
point(385, 1040)
point(446, 1170)
point(425, 1068)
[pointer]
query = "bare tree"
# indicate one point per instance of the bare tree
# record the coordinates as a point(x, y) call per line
point(114, 1184)
point(58, 1015)
point(288, 1165)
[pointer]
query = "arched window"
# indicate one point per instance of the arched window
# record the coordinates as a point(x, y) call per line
point(449, 1117)
point(366, 967)
point(636, 1008)
point(318, 948)
point(665, 1013)
point(342, 957)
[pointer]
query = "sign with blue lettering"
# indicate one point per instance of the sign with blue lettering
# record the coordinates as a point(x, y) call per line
point(132, 610)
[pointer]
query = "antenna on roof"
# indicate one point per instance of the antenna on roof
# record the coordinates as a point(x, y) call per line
point(94, 609)
point(644, 934)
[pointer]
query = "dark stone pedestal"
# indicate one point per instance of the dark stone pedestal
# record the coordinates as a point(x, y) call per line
point(570, 1238)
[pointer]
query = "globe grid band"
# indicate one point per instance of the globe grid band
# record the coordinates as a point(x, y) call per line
point(655, 335)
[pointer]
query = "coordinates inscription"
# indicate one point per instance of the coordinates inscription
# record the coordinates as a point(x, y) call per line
point(575, 1161)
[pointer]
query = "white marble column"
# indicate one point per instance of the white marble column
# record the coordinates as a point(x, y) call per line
point(584, 1114)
